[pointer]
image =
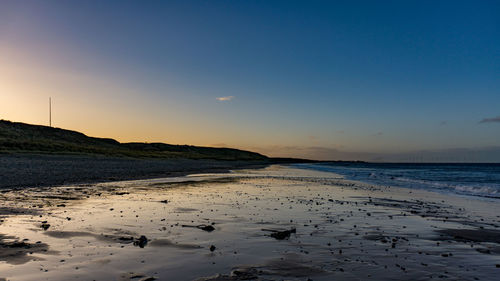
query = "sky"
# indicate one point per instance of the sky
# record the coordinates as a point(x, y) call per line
point(352, 80)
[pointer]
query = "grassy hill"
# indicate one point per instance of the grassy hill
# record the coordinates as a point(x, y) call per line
point(18, 137)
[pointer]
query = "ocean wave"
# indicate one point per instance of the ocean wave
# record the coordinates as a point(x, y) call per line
point(466, 179)
point(482, 191)
point(476, 189)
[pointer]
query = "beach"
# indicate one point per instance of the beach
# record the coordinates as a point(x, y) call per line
point(249, 140)
point(273, 223)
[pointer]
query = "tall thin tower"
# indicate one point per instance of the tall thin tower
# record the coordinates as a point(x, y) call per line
point(50, 111)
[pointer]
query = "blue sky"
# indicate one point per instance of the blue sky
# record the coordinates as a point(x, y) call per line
point(320, 79)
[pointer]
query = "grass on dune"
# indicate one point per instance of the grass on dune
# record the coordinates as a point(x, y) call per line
point(18, 137)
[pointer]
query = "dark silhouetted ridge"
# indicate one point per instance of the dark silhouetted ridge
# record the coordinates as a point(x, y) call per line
point(18, 137)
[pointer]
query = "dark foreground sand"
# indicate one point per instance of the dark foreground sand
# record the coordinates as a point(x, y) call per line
point(276, 223)
point(30, 170)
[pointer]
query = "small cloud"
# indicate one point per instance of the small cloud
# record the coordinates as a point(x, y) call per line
point(443, 123)
point(378, 134)
point(313, 138)
point(228, 98)
point(490, 120)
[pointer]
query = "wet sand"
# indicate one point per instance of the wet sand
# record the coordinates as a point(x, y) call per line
point(277, 223)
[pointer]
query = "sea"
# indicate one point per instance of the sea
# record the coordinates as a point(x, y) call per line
point(482, 180)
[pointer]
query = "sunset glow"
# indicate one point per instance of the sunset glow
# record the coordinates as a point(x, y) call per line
point(174, 73)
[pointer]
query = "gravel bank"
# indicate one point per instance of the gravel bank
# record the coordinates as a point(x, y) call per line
point(28, 170)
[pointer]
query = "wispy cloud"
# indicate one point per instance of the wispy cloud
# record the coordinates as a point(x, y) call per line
point(228, 98)
point(491, 120)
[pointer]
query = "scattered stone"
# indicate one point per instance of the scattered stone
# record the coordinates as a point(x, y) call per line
point(203, 227)
point(245, 275)
point(281, 235)
point(207, 228)
point(483, 250)
point(141, 242)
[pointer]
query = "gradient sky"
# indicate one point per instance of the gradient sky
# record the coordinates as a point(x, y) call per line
point(320, 79)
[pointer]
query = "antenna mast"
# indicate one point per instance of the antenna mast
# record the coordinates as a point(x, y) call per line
point(50, 112)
